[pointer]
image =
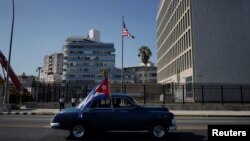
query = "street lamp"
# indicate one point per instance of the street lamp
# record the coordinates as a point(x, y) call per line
point(6, 97)
point(38, 70)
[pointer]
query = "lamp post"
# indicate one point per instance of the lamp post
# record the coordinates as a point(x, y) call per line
point(37, 84)
point(6, 96)
point(39, 71)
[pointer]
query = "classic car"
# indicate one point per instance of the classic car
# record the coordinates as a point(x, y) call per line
point(120, 113)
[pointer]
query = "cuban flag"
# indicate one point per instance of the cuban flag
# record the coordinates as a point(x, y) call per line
point(100, 91)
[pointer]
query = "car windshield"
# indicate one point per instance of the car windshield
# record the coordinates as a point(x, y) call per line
point(81, 104)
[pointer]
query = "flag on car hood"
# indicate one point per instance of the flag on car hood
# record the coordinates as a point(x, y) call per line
point(100, 91)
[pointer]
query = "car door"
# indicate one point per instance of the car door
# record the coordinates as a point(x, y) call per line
point(124, 114)
point(99, 115)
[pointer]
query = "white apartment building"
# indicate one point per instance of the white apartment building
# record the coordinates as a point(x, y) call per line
point(52, 68)
point(85, 59)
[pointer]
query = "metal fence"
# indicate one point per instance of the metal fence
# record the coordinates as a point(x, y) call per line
point(226, 93)
point(52, 93)
point(154, 93)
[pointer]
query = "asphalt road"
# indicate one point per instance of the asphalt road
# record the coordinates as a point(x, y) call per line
point(36, 128)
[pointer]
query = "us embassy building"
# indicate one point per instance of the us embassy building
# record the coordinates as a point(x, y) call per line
point(204, 42)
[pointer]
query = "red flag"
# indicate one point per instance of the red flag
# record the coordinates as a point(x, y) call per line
point(100, 91)
point(103, 88)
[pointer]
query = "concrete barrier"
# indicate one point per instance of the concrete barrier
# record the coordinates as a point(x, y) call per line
point(49, 105)
point(5, 108)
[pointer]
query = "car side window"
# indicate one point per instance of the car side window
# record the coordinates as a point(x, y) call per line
point(103, 103)
point(122, 103)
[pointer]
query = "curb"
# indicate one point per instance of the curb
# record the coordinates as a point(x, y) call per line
point(26, 113)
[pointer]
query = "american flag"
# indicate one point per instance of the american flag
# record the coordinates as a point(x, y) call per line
point(125, 30)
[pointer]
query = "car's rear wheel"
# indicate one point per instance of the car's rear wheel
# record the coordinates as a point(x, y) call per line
point(78, 131)
point(158, 131)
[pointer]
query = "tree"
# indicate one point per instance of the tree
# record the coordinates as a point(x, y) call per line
point(145, 54)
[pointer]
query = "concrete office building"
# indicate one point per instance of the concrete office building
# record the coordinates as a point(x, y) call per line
point(115, 76)
point(143, 75)
point(203, 41)
point(85, 59)
point(52, 68)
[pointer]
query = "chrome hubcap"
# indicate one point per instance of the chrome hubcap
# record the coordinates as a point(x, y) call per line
point(158, 131)
point(78, 131)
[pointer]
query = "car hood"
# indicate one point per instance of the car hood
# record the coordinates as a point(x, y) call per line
point(71, 109)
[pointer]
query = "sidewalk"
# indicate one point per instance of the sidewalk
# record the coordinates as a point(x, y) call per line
point(32, 112)
point(200, 113)
point(216, 113)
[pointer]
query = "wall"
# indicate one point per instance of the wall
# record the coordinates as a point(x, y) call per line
point(221, 41)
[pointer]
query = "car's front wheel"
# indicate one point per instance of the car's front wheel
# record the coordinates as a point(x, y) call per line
point(158, 131)
point(78, 131)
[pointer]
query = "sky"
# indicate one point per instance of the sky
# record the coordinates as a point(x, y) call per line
point(41, 27)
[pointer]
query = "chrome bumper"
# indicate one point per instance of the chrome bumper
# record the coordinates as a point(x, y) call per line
point(54, 125)
point(173, 127)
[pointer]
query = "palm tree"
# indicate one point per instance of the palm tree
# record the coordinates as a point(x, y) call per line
point(145, 54)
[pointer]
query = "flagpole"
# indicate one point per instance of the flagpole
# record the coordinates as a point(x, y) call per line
point(122, 63)
point(111, 99)
point(127, 34)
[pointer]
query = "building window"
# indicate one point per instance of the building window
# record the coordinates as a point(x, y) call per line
point(153, 74)
point(189, 87)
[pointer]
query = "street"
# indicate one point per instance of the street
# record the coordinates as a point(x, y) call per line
point(36, 128)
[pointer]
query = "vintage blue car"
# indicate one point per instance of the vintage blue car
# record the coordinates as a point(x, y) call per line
point(122, 113)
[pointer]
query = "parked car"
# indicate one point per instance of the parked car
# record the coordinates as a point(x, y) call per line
point(122, 113)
